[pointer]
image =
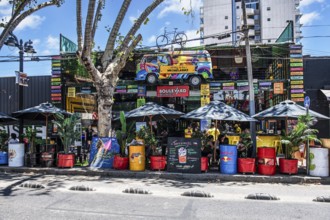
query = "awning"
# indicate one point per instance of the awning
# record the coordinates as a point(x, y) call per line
point(326, 93)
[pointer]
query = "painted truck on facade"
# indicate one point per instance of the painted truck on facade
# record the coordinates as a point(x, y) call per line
point(188, 66)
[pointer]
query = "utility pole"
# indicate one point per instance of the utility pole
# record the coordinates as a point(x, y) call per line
point(250, 79)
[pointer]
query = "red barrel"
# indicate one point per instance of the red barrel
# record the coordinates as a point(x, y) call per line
point(266, 160)
point(204, 164)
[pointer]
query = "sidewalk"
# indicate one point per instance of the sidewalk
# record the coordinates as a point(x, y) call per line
point(213, 175)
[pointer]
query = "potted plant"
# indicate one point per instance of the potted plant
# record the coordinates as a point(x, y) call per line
point(31, 157)
point(298, 136)
point(154, 153)
point(68, 134)
point(203, 137)
point(3, 147)
point(245, 164)
point(120, 161)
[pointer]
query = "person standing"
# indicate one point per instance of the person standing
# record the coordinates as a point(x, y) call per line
point(188, 131)
point(213, 131)
point(13, 139)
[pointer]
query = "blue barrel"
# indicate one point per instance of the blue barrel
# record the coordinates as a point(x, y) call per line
point(228, 159)
point(3, 158)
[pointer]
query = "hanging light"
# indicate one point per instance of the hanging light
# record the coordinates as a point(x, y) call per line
point(11, 42)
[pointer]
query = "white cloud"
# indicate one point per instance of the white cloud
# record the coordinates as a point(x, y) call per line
point(167, 23)
point(305, 3)
point(132, 19)
point(32, 21)
point(309, 18)
point(192, 34)
point(152, 40)
point(53, 43)
point(175, 6)
point(4, 3)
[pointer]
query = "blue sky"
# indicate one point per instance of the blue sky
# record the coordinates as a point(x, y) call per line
point(45, 26)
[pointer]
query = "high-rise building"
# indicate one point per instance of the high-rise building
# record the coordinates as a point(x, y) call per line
point(266, 20)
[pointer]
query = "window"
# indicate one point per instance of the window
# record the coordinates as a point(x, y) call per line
point(268, 8)
point(238, 37)
point(238, 27)
point(226, 17)
point(226, 27)
point(269, 41)
point(268, 19)
point(237, 7)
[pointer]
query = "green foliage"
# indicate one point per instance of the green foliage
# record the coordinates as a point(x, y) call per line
point(146, 21)
point(300, 134)
point(3, 138)
point(66, 129)
point(149, 139)
point(244, 145)
point(31, 135)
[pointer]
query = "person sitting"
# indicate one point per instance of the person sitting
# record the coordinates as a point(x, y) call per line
point(13, 139)
point(238, 129)
point(207, 148)
point(188, 131)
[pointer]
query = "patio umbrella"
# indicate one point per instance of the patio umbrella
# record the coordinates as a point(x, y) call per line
point(6, 118)
point(44, 111)
point(287, 110)
point(217, 110)
point(152, 112)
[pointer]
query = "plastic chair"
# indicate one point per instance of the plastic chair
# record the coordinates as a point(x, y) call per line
point(278, 146)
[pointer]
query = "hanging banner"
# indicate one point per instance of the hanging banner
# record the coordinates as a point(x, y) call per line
point(205, 89)
point(71, 92)
point(142, 90)
point(205, 100)
point(278, 88)
point(21, 78)
point(172, 91)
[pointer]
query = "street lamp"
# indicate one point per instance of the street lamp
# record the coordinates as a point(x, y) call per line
point(27, 47)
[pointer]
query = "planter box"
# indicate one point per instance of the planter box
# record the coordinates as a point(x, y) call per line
point(246, 165)
point(157, 162)
point(120, 163)
point(65, 160)
point(288, 166)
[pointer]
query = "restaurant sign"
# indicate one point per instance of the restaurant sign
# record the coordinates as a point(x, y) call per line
point(172, 91)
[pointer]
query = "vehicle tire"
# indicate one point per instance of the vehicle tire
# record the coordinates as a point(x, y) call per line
point(161, 41)
point(195, 80)
point(181, 39)
point(151, 78)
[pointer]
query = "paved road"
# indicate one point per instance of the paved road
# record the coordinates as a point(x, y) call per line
point(108, 201)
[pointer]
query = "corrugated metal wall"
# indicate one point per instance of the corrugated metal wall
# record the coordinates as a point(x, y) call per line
point(37, 92)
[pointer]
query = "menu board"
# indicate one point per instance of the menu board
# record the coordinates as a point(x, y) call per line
point(184, 155)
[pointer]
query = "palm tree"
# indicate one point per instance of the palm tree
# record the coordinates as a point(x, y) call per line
point(299, 135)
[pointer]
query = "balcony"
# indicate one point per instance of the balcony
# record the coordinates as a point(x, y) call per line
point(251, 32)
point(250, 11)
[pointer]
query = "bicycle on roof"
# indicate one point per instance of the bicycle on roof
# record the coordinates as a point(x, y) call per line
point(178, 38)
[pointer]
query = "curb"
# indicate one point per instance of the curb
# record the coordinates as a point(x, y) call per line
point(209, 177)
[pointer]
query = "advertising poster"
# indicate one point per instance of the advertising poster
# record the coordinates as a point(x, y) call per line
point(103, 151)
point(184, 155)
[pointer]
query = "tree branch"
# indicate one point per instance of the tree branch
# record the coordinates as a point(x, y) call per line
point(17, 18)
point(88, 28)
point(79, 25)
point(108, 52)
point(138, 23)
point(98, 16)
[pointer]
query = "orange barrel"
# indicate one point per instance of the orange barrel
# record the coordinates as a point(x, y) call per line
point(266, 160)
point(137, 158)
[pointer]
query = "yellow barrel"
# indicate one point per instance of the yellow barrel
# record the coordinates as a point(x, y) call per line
point(137, 158)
